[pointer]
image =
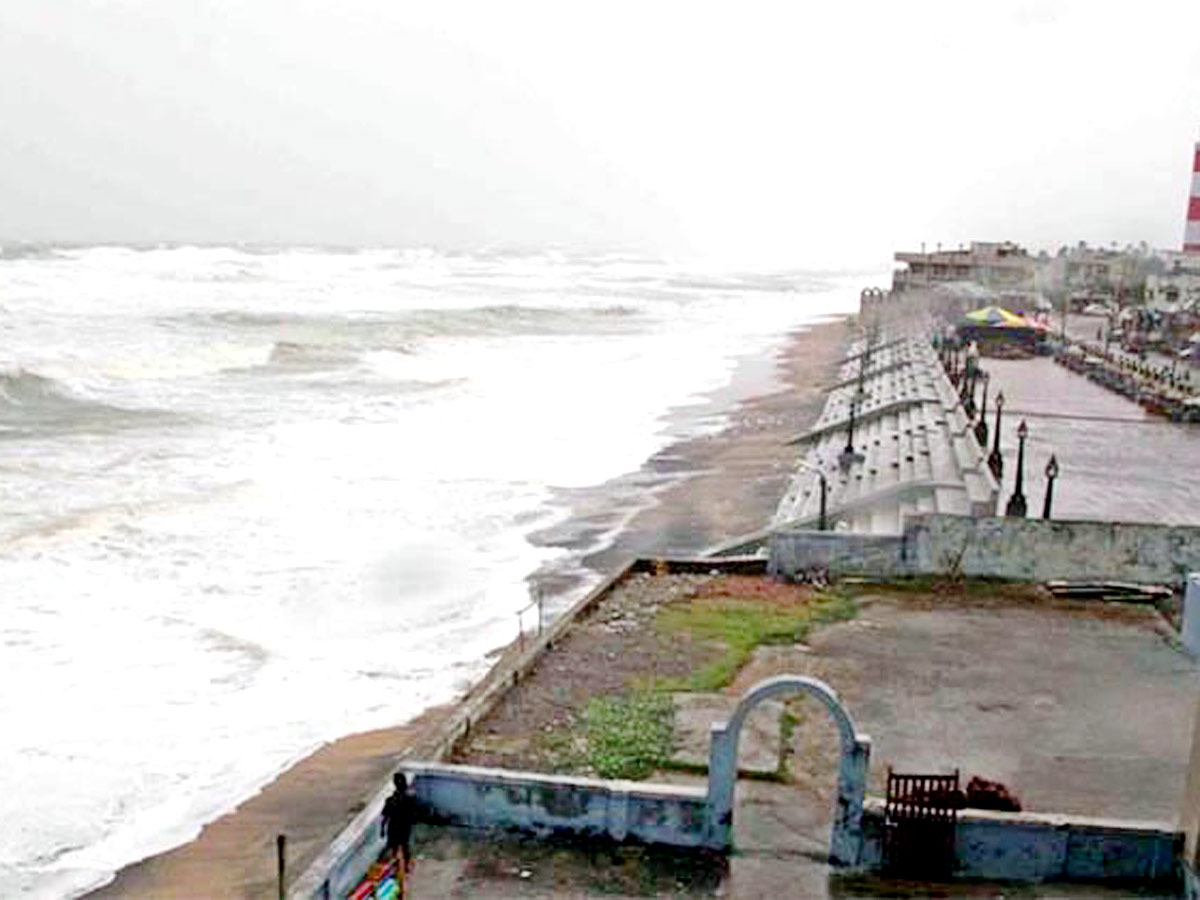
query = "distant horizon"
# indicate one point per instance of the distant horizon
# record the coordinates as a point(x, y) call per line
point(863, 267)
point(568, 250)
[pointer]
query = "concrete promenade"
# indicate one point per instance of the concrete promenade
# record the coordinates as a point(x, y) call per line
point(1165, 379)
point(1117, 461)
point(917, 451)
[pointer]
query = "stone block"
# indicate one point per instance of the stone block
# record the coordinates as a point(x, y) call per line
point(761, 737)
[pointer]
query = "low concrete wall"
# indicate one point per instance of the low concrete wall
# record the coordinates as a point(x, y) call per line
point(498, 798)
point(989, 845)
point(556, 804)
point(998, 547)
point(1045, 847)
point(796, 551)
point(1041, 550)
point(1190, 632)
point(350, 855)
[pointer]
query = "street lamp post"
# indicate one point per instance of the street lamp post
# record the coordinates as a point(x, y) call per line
point(822, 520)
point(1016, 503)
point(981, 429)
point(1051, 474)
point(968, 395)
point(849, 456)
point(850, 425)
point(995, 460)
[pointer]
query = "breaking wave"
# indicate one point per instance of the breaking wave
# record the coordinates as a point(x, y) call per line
point(293, 355)
point(29, 251)
point(319, 343)
point(766, 282)
point(390, 330)
point(31, 403)
point(504, 320)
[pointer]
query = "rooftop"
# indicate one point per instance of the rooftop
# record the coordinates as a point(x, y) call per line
point(1077, 707)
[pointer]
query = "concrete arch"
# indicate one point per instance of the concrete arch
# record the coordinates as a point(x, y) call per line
point(845, 844)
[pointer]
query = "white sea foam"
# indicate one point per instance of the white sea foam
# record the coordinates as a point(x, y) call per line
point(298, 504)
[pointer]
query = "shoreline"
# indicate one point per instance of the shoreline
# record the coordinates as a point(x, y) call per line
point(705, 490)
point(713, 488)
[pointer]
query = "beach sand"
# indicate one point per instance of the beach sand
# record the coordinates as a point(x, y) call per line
point(707, 490)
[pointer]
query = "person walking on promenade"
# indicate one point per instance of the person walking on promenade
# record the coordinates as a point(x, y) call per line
point(399, 812)
point(972, 365)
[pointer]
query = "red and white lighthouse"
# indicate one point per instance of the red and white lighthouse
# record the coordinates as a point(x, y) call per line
point(1191, 235)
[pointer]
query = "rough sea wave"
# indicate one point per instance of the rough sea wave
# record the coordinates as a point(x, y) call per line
point(33, 404)
point(259, 498)
point(373, 329)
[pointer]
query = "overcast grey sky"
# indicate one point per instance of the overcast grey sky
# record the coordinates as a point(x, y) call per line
point(817, 134)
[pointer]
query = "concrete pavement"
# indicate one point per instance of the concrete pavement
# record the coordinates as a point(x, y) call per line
point(1078, 708)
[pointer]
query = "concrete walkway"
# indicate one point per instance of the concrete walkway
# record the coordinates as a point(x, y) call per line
point(1117, 462)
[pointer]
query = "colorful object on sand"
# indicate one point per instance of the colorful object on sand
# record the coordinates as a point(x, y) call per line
point(380, 883)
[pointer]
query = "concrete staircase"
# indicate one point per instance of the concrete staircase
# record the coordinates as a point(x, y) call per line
point(914, 450)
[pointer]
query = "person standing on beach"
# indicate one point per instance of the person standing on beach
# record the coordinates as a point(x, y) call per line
point(399, 812)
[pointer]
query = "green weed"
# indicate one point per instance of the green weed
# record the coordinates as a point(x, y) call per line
point(630, 736)
point(740, 625)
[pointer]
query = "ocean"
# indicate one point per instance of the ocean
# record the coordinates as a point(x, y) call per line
point(253, 500)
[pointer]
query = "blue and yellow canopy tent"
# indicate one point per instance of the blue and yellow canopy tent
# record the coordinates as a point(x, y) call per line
point(994, 325)
point(996, 317)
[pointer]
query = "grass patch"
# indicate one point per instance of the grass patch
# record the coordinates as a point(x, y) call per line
point(741, 624)
point(629, 736)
